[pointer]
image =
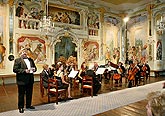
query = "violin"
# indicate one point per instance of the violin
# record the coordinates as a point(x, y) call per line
point(132, 73)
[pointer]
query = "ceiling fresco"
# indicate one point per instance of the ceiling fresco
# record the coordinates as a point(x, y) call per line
point(121, 5)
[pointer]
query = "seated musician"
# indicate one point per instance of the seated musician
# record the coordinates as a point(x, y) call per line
point(107, 74)
point(59, 75)
point(51, 70)
point(95, 68)
point(133, 73)
point(96, 82)
point(111, 68)
point(45, 75)
point(121, 71)
point(82, 71)
point(145, 69)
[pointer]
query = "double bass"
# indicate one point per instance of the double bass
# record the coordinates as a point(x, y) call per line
point(132, 73)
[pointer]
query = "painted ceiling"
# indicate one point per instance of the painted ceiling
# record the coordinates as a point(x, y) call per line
point(122, 5)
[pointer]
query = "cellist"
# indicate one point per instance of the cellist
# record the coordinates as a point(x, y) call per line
point(133, 71)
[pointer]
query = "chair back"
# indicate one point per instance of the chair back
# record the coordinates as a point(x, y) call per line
point(53, 90)
point(87, 83)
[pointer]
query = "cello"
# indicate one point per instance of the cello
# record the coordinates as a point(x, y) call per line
point(144, 69)
point(116, 76)
point(132, 73)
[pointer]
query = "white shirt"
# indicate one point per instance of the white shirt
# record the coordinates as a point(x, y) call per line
point(28, 65)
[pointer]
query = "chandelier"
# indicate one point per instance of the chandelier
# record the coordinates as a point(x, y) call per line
point(160, 25)
point(46, 25)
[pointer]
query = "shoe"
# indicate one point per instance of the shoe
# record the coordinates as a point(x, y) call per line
point(94, 94)
point(21, 110)
point(70, 98)
point(30, 107)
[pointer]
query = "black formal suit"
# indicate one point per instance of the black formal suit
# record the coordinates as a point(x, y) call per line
point(45, 76)
point(24, 81)
point(96, 82)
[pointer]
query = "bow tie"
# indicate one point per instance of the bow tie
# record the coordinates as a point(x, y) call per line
point(25, 58)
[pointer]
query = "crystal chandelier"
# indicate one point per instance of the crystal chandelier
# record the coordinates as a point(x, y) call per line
point(160, 25)
point(46, 25)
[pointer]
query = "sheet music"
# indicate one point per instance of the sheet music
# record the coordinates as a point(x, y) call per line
point(109, 68)
point(112, 68)
point(73, 74)
point(100, 71)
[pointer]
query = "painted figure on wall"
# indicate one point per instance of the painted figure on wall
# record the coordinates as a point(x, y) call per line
point(19, 10)
point(159, 50)
point(2, 55)
point(64, 16)
point(65, 48)
point(107, 54)
point(116, 56)
point(35, 46)
point(93, 20)
point(91, 51)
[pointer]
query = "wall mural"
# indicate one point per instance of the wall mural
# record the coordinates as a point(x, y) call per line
point(137, 36)
point(27, 11)
point(36, 48)
point(2, 47)
point(90, 51)
point(65, 49)
point(112, 39)
point(93, 23)
point(64, 16)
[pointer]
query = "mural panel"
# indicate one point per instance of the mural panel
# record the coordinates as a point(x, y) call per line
point(90, 51)
point(112, 39)
point(65, 49)
point(36, 48)
point(64, 16)
point(2, 47)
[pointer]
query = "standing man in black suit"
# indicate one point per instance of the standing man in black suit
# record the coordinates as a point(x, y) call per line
point(24, 68)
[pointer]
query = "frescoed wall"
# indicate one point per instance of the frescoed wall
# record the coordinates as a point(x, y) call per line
point(112, 37)
point(90, 51)
point(36, 48)
point(64, 15)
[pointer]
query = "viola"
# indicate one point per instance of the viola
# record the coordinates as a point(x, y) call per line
point(132, 73)
point(116, 76)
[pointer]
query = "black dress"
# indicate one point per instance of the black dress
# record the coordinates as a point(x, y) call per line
point(60, 84)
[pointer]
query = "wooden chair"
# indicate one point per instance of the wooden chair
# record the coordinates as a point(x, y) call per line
point(54, 91)
point(87, 84)
point(41, 86)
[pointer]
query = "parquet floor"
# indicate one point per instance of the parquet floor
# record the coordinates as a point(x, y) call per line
point(8, 98)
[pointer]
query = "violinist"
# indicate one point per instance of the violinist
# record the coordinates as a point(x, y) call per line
point(133, 73)
point(107, 74)
point(145, 69)
point(82, 71)
point(121, 71)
